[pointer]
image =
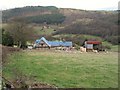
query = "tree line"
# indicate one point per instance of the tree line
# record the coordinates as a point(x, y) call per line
point(17, 33)
point(28, 10)
point(48, 18)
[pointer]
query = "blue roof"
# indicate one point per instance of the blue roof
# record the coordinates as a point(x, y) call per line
point(42, 39)
point(54, 43)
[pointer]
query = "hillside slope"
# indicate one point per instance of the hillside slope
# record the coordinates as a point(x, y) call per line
point(69, 21)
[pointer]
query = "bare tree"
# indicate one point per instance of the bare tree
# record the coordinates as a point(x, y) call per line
point(21, 33)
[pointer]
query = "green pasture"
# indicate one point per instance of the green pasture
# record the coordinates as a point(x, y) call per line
point(65, 69)
point(45, 31)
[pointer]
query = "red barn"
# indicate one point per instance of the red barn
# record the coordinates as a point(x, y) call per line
point(93, 45)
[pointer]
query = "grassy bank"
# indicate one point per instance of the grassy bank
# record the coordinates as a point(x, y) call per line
point(66, 69)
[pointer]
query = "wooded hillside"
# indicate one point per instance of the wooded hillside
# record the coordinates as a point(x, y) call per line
point(69, 21)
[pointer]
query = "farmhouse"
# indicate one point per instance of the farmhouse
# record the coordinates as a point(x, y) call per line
point(45, 43)
point(93, 45)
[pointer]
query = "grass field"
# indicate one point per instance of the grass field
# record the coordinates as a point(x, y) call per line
point(66, 69)
point(47, 31)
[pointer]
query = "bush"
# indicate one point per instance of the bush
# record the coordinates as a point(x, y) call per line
point(106, 47)
point(77, 47)
point(7, 40)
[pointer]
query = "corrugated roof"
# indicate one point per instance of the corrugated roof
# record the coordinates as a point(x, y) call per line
point(93, 42)
point(59, 43)
point(42, 39)
point(54, 43)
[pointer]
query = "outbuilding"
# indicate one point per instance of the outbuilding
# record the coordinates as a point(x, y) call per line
point(42, 42)
point(93, 45)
